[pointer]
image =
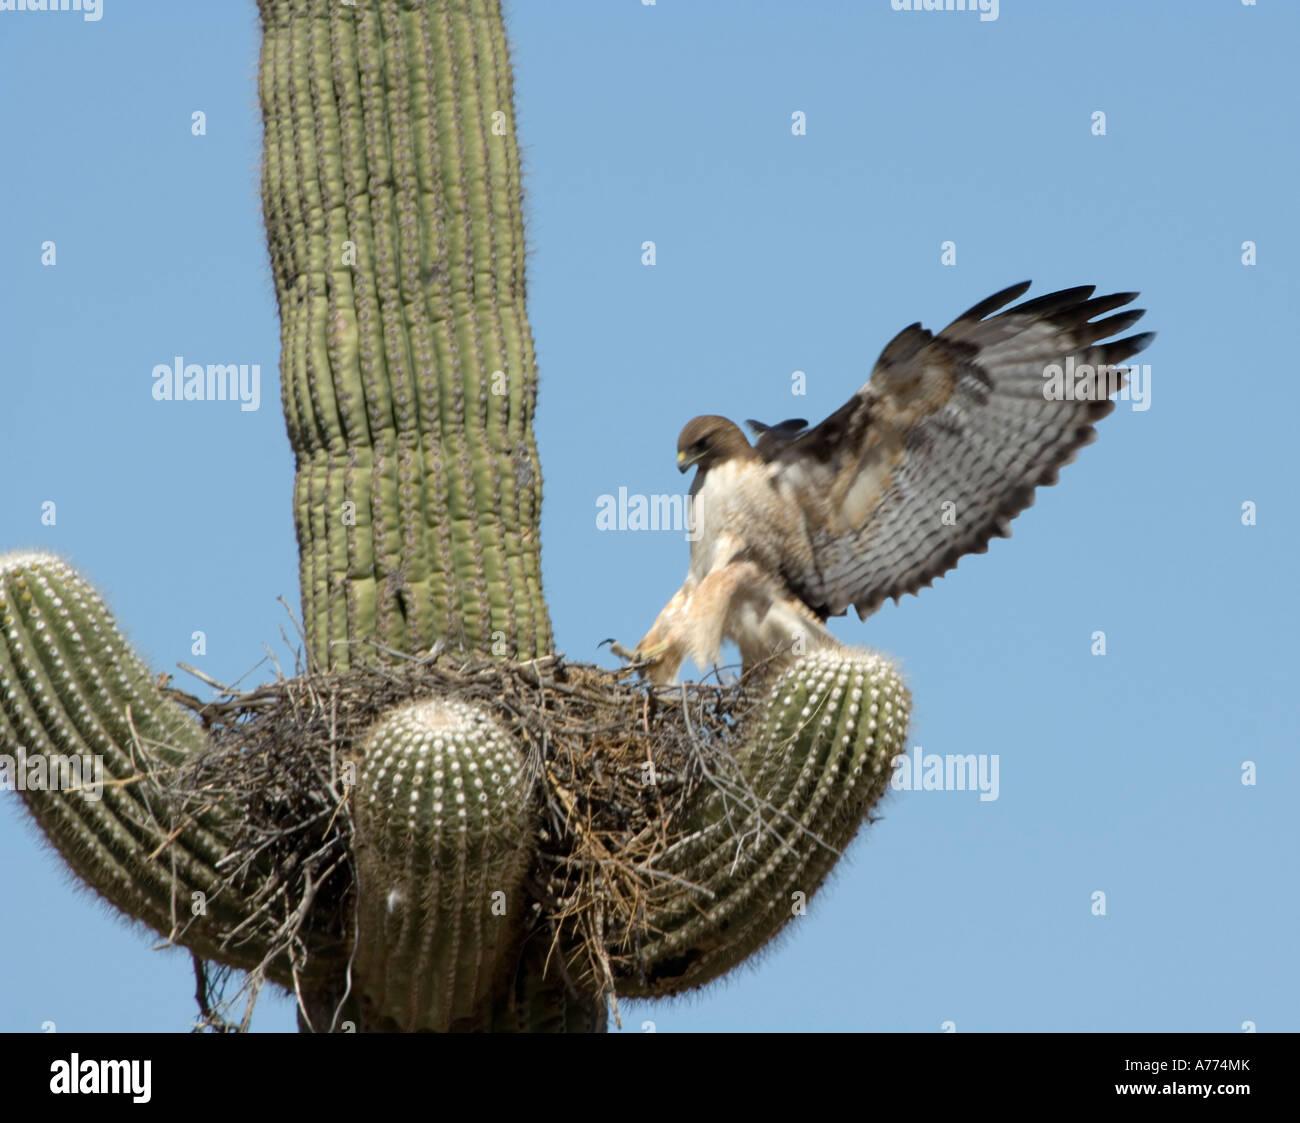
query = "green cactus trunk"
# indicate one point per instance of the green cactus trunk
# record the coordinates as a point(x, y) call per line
point(393, 208)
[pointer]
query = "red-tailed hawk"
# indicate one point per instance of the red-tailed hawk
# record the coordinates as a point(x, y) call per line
point(932, 458)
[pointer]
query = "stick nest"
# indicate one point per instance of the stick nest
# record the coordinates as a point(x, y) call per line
point(615, 767)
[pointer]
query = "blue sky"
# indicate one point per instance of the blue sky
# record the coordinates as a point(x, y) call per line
point(775, 253)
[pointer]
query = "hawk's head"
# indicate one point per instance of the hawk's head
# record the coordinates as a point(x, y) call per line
point(710, 440)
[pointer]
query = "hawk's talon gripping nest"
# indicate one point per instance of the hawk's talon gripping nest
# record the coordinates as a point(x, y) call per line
point(636, 659)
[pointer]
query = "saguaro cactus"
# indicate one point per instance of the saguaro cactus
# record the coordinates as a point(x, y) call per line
point(393, 206)
point(393, 213)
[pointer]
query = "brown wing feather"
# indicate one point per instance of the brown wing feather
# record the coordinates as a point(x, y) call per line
point(958, 417)
point(770, 438)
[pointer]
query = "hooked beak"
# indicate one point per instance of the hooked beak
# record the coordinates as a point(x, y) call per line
point(684, 462)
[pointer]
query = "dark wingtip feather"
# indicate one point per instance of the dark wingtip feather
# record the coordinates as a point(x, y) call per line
point(991, 304)
point(1113, 325)
point(1095, 307)
point(1051, 302)
point(1139, 342)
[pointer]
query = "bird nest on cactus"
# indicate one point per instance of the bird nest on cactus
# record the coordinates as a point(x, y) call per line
point(613, 769)
point(441, 842)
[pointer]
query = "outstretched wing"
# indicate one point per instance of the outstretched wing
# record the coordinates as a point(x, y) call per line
point(946, 442)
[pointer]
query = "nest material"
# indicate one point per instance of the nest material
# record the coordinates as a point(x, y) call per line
point(615, 765)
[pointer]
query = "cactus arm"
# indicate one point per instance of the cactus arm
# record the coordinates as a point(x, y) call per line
point(444, 839)
point(70, 685)
point(817, 759)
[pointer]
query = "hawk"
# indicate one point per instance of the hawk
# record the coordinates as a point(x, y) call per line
point(927, 462)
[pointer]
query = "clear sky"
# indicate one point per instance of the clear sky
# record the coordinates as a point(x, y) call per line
point(775, 253)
